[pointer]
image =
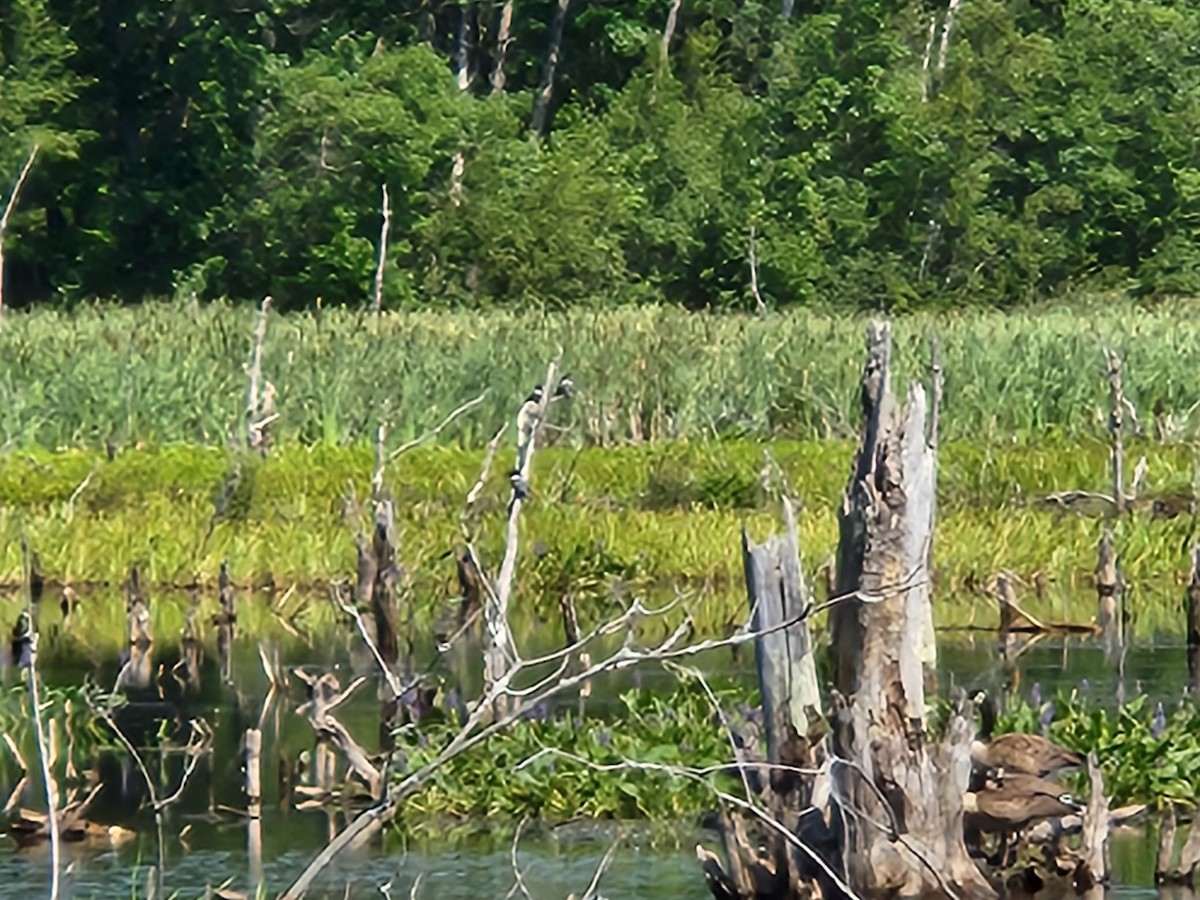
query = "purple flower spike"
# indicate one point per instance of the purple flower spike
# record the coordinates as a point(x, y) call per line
point(1160, 722)
point(1035, 694)
point(1047, 715)
point(604, 737)
point(1084, 685)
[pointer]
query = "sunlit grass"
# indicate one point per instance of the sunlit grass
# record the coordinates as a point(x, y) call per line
point(657, 520)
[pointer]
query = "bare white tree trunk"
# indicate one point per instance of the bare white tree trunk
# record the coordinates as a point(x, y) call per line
point(541, 103)
point(669, 29)
point(789, 7)
point(386, 208)
point(8, 211)
point(947, 27)
point(503, 38)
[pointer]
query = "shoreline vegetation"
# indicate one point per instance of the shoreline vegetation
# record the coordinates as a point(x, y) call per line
point(122, 431)
point(654, 519)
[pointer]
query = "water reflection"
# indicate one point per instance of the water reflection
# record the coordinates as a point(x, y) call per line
point(227, 683)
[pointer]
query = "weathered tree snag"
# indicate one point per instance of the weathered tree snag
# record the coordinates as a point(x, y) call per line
point(138, 668)
point(1107, 585)
point(1116, 415)
point(1192, 607)
point(791, 697)
point(786, 669)
point(880, 636)
point(1092, 871)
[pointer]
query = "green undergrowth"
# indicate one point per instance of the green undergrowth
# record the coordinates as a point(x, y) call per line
point(175, 373)
point(563, 766)
point(628, 766)
point(1147, 753)
point(652, 519)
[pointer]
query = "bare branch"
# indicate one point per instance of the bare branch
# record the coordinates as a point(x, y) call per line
point(8, 211)
point(434, 432)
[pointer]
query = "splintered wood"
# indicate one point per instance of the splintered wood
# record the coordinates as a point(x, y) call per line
point(881, 635)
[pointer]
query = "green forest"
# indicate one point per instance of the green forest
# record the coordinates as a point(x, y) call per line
point(716, 154)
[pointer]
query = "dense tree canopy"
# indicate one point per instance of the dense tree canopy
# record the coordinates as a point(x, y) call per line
point(708, 152)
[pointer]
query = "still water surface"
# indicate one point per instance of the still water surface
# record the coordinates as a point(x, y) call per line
point(554, 861)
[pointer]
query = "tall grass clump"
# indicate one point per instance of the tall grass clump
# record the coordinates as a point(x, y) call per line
point(168, 373)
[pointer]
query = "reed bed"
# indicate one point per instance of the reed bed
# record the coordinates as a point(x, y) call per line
point(655, 519)
point(164, 373)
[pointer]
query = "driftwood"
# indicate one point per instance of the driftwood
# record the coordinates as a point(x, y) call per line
point(324, 696)
point(901, 798)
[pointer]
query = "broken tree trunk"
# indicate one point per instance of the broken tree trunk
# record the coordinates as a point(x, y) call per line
point(791, 698)
point(900, 796)
point(1092, 870)
point(1108, 587)
point(1192, 608)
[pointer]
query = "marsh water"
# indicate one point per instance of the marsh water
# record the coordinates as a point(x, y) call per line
point(206, 839)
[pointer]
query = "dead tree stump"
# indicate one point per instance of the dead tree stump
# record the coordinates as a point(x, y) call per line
point(1192, 609)
point(900, 796)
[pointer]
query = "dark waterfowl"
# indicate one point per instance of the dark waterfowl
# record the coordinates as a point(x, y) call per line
point(1019, 752)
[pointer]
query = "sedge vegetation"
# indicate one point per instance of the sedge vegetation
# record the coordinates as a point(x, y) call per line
point(649, 518)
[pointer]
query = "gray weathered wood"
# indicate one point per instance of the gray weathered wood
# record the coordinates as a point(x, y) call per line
point(1116, 416)
point(1192, 610)
point(787, 671)
point(1093, 852)
point(879, 643)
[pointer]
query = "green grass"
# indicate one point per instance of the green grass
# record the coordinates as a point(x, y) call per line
point(649, 518)
point(175, 373)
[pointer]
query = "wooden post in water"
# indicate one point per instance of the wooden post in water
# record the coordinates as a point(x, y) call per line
point(1192, 608)
point(254, 801)
point(880, 634)
point(1108, 586)
point(138, 669)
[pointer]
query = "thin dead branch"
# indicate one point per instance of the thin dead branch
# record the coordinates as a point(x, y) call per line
point(381, 264)
point(8, 211)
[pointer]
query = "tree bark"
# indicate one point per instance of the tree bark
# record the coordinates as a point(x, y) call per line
point(541, 104)
point(463, 73)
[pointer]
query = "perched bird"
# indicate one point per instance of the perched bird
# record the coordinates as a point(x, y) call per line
point(520, 486)
point(1029, 754)
point(566, 387)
